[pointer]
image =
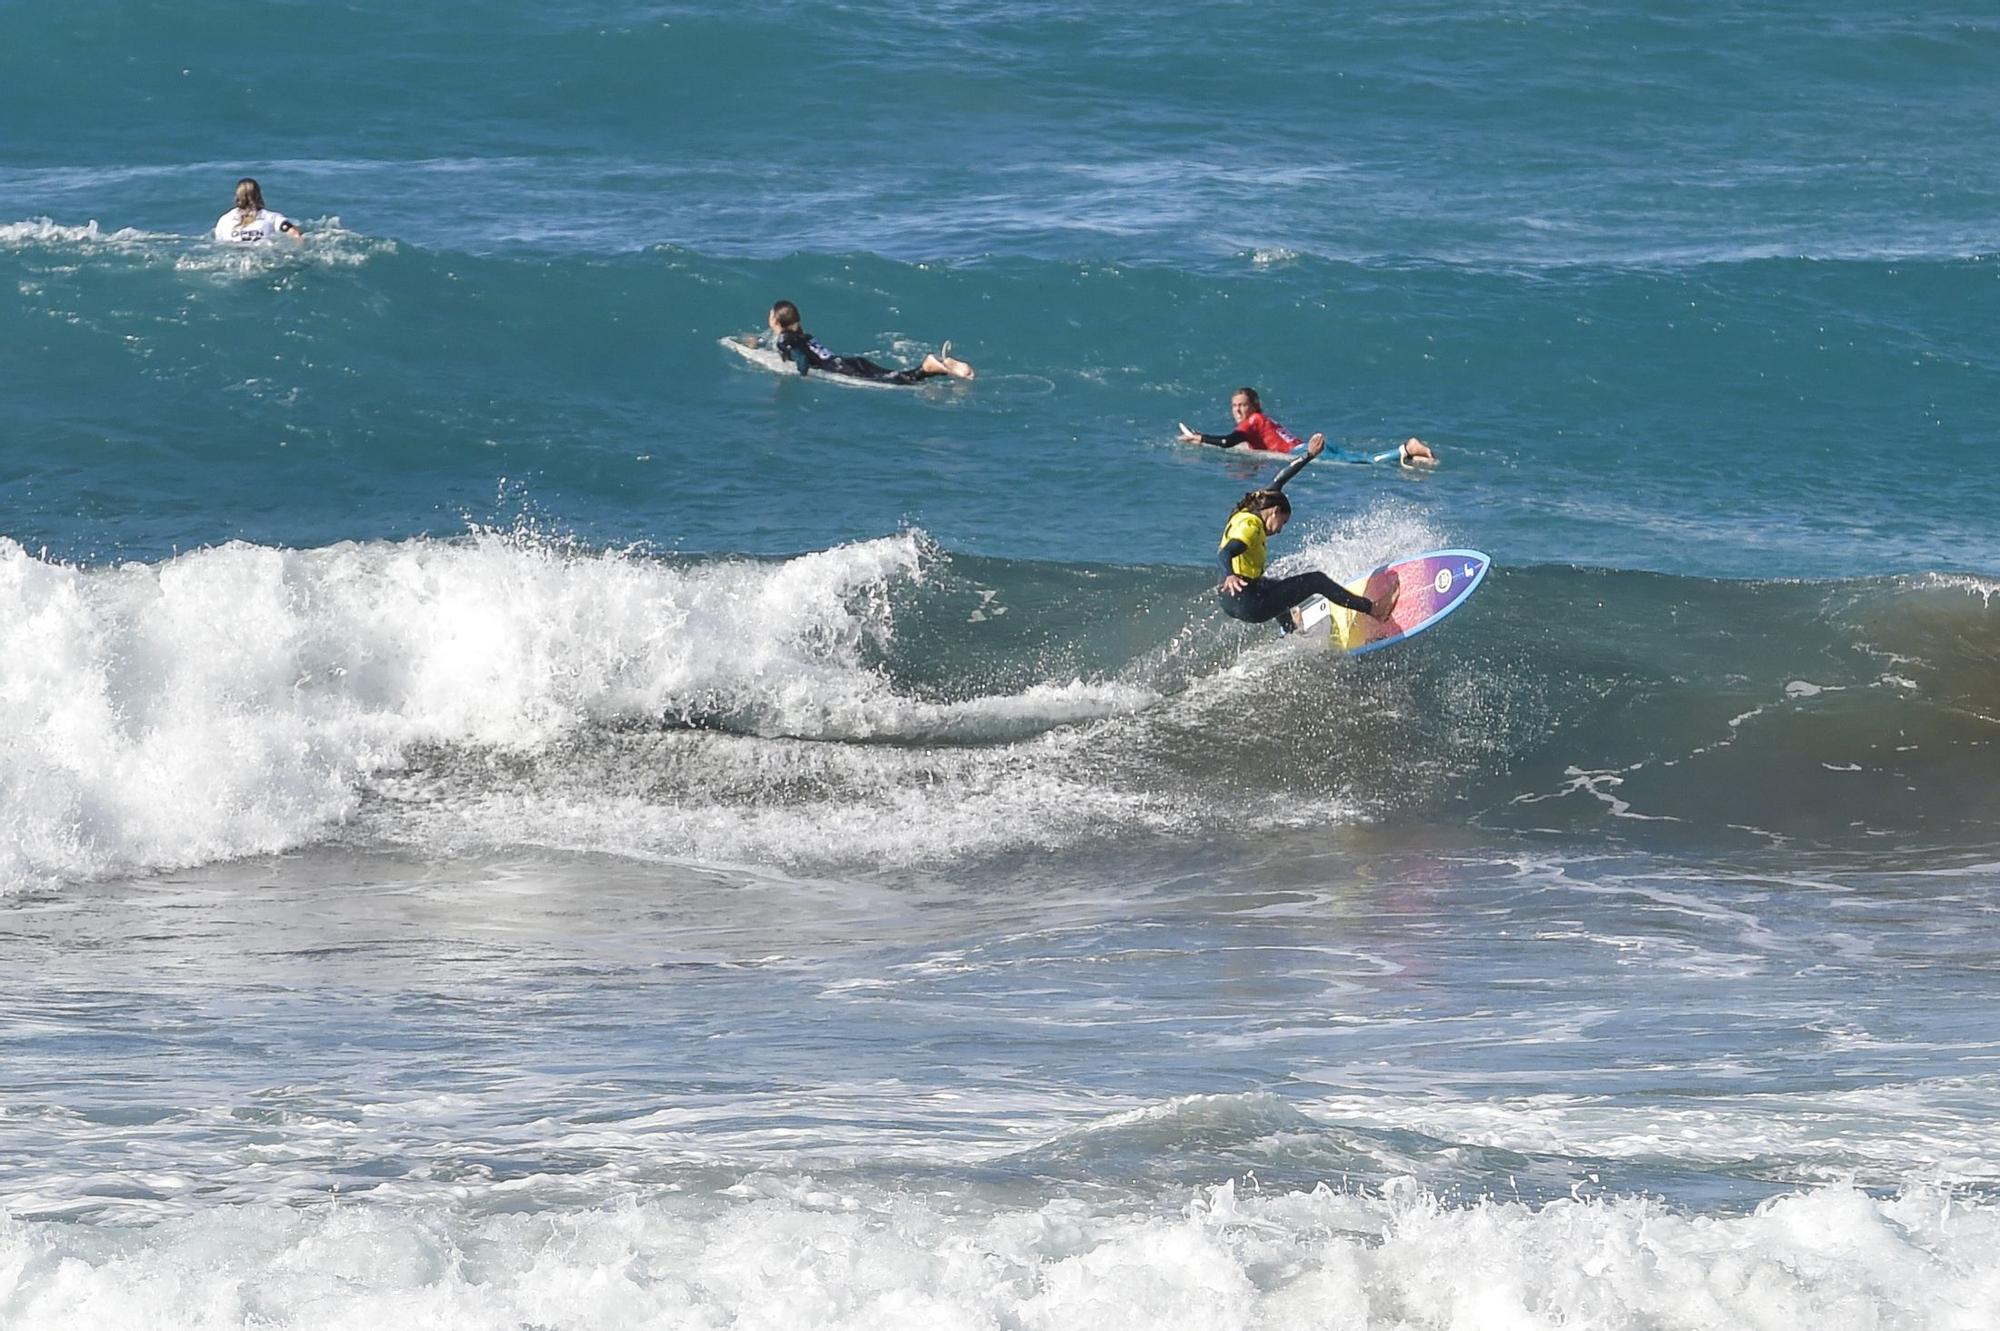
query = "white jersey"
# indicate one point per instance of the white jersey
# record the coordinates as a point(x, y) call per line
point(264, 226)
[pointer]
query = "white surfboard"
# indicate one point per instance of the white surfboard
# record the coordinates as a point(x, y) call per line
point(765, 358)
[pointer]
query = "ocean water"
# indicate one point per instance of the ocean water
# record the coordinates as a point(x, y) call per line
point(512, 816)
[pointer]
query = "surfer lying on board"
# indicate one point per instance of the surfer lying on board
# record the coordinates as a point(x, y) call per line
point(806, 353)
point(1265, 435)
point(1244, 591)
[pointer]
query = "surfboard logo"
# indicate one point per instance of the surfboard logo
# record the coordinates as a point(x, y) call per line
point(1442, 581)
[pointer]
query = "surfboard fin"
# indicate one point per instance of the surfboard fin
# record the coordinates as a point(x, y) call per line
point(1314, 610)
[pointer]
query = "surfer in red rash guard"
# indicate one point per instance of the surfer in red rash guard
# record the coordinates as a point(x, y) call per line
point(1253, 427)
point(1264, 435)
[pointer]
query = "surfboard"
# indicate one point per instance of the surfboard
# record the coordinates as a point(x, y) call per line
point(1366, 459)
point(1431, 585)
point(1236, 450)
point(1335, 454)
point(758, 354)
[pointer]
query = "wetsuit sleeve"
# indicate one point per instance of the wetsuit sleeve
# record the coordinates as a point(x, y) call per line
point(794, 346)
point(1290, 471)
point(1230, 440)
point(1227, 554)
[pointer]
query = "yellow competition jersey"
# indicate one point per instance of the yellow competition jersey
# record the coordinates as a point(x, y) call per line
point(1247, 527)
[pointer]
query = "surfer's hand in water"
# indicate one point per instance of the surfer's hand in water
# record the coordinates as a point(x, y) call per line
point(1233, 584)
point(1188, 436)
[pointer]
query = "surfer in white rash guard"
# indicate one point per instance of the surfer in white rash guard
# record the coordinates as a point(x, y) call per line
point(1245, 592)
point(251, 223)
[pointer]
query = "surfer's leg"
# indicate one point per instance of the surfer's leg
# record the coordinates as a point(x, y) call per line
point(856, 367)
point(1289, 592)
point(860, 367)
point(1417, 453)
point(945, 363)
point(934, 367)
point(1254, 604)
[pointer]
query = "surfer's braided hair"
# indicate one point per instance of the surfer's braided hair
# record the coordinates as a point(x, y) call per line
point(1258, 500)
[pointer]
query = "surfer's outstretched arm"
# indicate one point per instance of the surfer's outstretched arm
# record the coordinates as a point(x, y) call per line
point(1314, 447)
point(1230, 440)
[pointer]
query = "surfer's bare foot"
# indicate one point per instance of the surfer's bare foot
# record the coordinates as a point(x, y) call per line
point(1298, 619)
point(1417, 453)
point(944, 363)
point(1385, 604)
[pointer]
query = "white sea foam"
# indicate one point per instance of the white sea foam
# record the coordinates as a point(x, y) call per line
point(741, 800)
point(328, 245)
point(1273, 256)
point(242, 699)
point(795, 1251)
point(1349, 546)
point(1938, 1127)
point(1983, 588)
point(46, 233)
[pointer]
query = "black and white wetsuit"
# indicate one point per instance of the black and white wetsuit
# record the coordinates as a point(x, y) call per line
point(806, 352)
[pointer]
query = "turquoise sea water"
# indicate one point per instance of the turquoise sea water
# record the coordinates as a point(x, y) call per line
point(512, 816)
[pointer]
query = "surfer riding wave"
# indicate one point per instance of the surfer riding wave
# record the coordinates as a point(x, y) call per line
point(1245, 592)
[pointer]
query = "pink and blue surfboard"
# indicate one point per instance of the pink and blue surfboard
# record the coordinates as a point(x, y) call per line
point(1430, 586)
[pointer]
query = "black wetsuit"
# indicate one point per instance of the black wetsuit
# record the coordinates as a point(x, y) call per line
point(1264, 598)
point(807, 353)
